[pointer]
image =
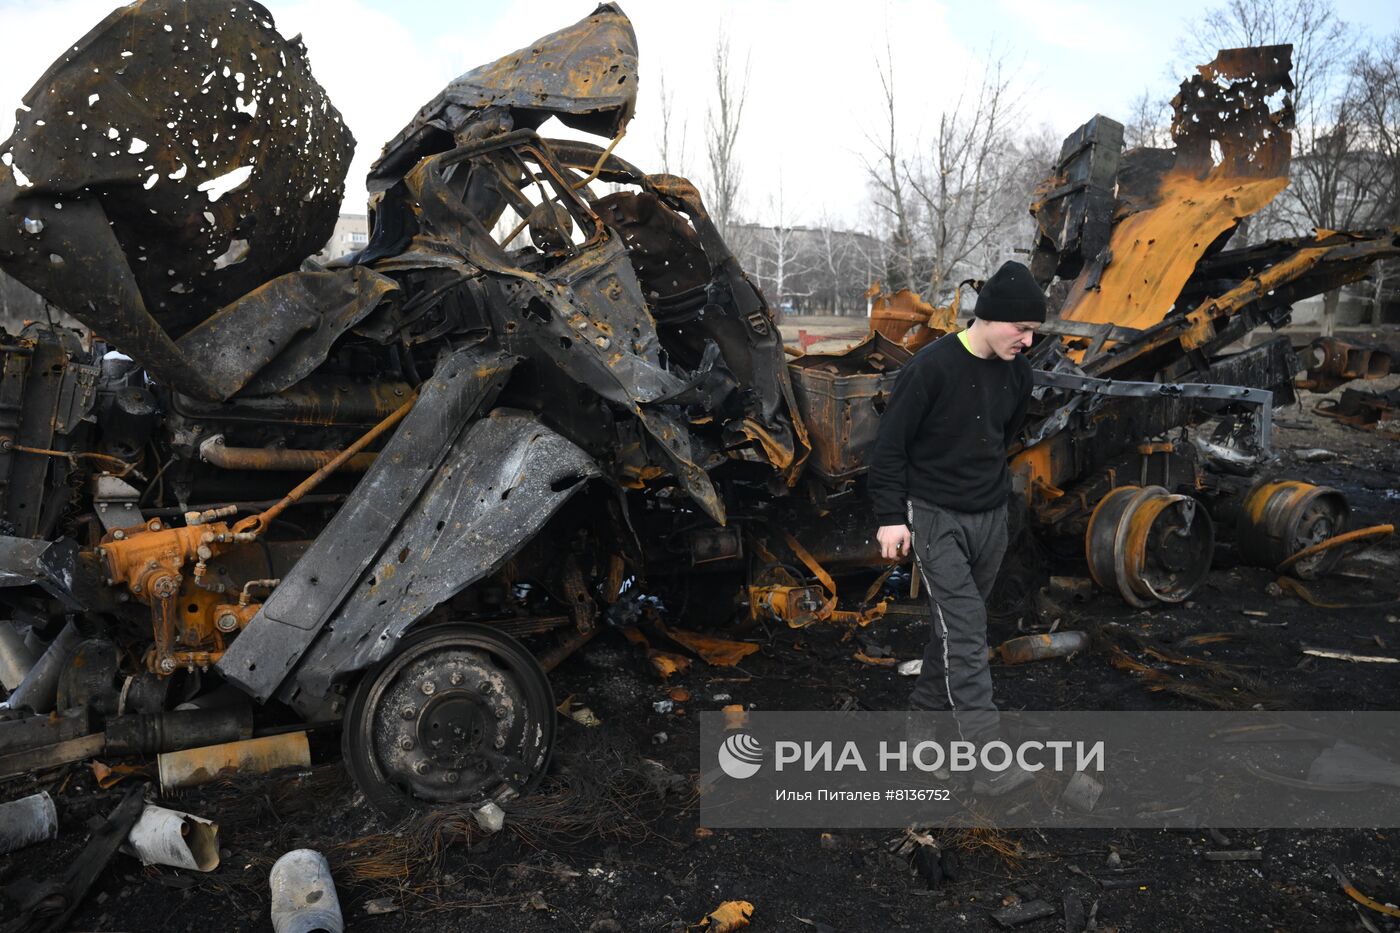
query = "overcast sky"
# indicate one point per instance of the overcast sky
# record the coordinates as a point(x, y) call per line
point(812, 88)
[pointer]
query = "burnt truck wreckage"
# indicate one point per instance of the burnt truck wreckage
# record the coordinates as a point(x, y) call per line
point(396, 491)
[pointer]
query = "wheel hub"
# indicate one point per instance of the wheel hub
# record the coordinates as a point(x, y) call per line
point(451, 717)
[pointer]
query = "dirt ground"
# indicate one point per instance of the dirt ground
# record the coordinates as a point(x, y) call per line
point(610, 842)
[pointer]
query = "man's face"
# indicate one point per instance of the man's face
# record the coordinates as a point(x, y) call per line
point(1007, 339)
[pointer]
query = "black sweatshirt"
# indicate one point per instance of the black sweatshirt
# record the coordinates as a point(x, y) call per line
point(943, 436)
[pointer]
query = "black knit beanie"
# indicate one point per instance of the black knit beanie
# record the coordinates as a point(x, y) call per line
point(1011, 295)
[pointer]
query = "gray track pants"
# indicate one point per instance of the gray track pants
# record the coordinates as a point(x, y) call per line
point(958, 555)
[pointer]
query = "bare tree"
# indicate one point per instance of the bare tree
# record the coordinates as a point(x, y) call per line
point(722, 135)
point(888, 179)
point(833, 262)
point(783, 266)
point(1373, 96)
point(1149, 126)
point(671, 144)
point(962, 181)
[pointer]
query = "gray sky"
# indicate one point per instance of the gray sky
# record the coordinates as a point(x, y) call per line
point(812, 89)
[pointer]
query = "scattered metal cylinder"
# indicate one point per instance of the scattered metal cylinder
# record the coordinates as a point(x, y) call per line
point(179, 729)
point(1039, 647)
point(1279, 519)
point(16, 659)
point(25, 732)
point(39, 689)
point(303, 894)
point(1149, 545)
point(195, 766)
point(26, 821)
point(174, 838)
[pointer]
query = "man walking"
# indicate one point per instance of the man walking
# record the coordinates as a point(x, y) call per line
point(939, 483)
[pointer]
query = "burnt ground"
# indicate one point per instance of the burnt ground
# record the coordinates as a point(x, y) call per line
point(611, 843)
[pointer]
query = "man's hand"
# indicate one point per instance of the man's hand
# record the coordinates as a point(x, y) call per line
point(895, 541)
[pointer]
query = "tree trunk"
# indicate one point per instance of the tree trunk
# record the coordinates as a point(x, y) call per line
point(1329, 311)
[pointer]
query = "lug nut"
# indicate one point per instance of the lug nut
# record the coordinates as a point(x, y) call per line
point(485, 686)
point(407, 712)
point(500, 741)
point(456, 678)
point(500, 712)
point(406, 744)
point(451, 777)
point(421, 767)
point(429, 688)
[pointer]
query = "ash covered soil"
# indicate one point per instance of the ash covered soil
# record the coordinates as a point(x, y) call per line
point(612, 840)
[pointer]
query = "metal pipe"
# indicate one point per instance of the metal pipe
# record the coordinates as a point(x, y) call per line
point(224, 457)
point(177, 729)
point(39, 689)
point(1040, 647)
point(258, 523)
point(196, 766)
point(16, 660)
point(1348, 537)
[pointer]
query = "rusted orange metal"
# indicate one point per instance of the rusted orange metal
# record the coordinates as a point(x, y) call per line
point(908, 320)
point(256, 524)
point(798, 605)
point(1155, 251)
point(1374, 532)
point(1359, 409)
point(150, 561)
point(221, 455)
point(840, 396)
point(1333, 362)
point(1281, 519)
point(195, 766)
point(1148, 545)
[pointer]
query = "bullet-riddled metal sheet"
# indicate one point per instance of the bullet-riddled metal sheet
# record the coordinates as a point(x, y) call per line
point(503, 479)
point(268, 649)
point(1230, 160)
point(177, 157)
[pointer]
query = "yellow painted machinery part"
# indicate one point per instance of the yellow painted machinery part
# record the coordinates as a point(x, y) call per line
point(1156, 250)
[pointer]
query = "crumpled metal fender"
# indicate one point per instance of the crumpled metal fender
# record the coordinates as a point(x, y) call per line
point(584, 74)
point(504, 478)
point(269, 648)
point(587, 315)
